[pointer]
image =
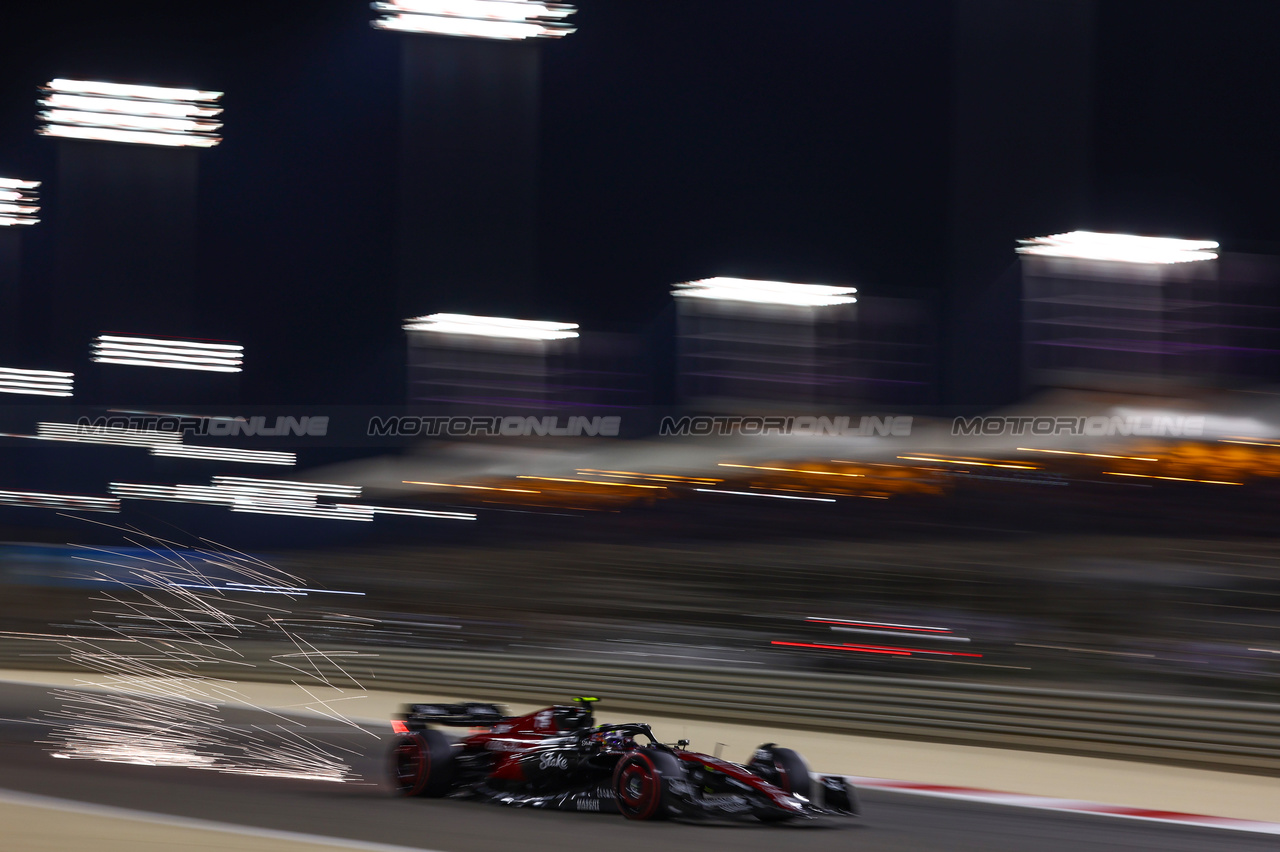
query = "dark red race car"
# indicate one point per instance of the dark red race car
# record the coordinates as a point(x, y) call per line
point(559, 759)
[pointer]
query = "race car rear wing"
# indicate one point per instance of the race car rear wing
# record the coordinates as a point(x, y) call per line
point(470, 715)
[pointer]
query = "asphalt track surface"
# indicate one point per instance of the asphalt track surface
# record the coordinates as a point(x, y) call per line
point(891, 822)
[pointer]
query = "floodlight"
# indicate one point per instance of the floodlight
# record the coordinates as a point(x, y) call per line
point(110, 436)
point(493, 327)
point(145, 115)
point(275, 497)
point(766, 292)
point(65, 502)
point(18, 202)
point(169, 354)
point(36, 382)
point(508, 20)
point(227, 454)
point(1124, 248)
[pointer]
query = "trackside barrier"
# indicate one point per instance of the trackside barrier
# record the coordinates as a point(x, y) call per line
point(1215, 734)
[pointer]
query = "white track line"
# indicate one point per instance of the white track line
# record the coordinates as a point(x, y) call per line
point(1044, 803)
point(13, 797)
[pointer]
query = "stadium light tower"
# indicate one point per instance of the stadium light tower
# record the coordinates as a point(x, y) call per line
point(128, 170)
point(763, 341)
point(469, 136)
point(19, 208)
point(1118, 312)
point(459, 362)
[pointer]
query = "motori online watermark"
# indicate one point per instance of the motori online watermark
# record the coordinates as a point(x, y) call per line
point(843, 427)
point(1096, 426)
point(506, 427)
point(216, 427)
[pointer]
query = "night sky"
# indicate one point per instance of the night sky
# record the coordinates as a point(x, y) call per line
point(803, 141)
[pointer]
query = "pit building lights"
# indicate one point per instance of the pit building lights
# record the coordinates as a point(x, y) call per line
point(169, 354)
point(18, 202)
point(508, 20)
point(36, 382)
point(766, 292)
point(493, 327)
point(145, 115)
point(1123, 248)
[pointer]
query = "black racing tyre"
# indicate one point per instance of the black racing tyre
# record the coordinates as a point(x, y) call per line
point(422, 764)
point(783, 768)
point(793, 772)
point(642, 784)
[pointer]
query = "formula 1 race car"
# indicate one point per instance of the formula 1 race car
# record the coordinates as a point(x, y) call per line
point(559, 759)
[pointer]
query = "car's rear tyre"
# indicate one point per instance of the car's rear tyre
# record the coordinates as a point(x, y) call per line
point(422, 764)
point(642, 785)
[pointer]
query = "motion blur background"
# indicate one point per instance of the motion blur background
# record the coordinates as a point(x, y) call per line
point(902, 150)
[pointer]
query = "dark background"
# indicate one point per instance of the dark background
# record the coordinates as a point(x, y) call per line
point(809, 142)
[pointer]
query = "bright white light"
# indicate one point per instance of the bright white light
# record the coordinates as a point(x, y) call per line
point(36, 382)
point(124, 90)
point(274, 497)
point(1123, 248)
point(227, 454)
point(145, 115)
point(413, 513)
point(106, 435)
point(18, 202)
point(131, 137)
point(134, 122)
point(493, 327)
point(70, 502)
point(164, 109)
point(774, 496)
point(281, 486)
point(169, 354)
point(509, 20)
point(766, 292)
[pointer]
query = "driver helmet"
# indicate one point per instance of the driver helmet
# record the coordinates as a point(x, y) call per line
point(613, 741)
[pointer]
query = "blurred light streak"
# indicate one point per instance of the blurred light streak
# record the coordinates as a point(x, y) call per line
point(169, 354)
point(969, 462)
point(1124, 248)
point(493, 327)
point(71, 502)
point(106, 435)
point(867, 630)
point(494, 19)
point(1253, 443)
point(774, 496)
point(1085, 650)
point(258, 587)
point(766, 292)
point(881, 624)
point(1170, 478)
point(284, 459)
point(19, 204)
point(412, 513)
point(471, 487)
point(1089, 455)
point(595, 482)
point(841, 648)
point(114, 112)
point(36, 382)
point(283, 485)
point(276, 497)
point(660, 477)
point(793, 470)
